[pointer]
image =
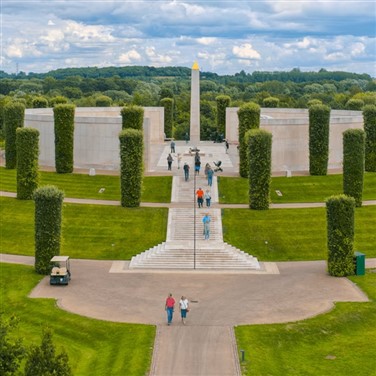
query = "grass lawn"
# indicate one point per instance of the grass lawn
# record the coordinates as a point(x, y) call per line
point(342, 342)
point(88, 231)
point(292, 234)
point(96, 348)
point(155, 188)
point(294, 189)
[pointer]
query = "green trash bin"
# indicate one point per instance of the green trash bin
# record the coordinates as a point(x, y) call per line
point(359, 263)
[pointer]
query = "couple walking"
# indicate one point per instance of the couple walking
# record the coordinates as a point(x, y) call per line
point(170, 305)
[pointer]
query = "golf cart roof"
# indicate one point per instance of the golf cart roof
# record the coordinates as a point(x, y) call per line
point(60, 259)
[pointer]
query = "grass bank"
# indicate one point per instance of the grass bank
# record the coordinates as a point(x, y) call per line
point(292, 234)
point(88, 231)
point(98, 187)
point(294, 189)
point(342, 342)
point(97, 348)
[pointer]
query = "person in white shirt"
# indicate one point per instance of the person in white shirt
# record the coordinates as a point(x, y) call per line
point(184, 308)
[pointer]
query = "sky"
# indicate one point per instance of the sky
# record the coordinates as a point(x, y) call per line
point(224, 37)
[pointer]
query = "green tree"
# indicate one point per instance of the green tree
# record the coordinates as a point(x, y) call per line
point(353, 164)
point(355, 105)
point(131, 166)
point(43, 361)
point(259, 144)
point(340, 234)
point(103, 101)
point(319, 118)
point(223, 101)
point(27, 141)
point(12, 350)
point(14, 116)
point(369, 118)
point(64, 137)
point(48, 217)
point(249, 118)
point(40, 102)
point(271, 102)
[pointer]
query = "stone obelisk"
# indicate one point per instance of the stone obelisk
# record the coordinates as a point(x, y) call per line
point(194, 130)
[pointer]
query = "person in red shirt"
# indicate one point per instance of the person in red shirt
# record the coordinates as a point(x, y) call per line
point(200, 197)
point(169, 307)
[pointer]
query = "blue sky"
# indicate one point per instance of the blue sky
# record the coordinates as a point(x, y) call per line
point(223, 36)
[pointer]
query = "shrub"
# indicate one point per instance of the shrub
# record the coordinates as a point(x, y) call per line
point(168, 104)
point(313, 102)
point(131, 166)
point(39, 102)
point(132, 117)
point(270, 102)
point(353, 164)
point(14, 116)
point(369, 116)
point(103, 101)
point(249, 118)
point(354, 104)
point(340, 233)
point(64, 134)
point(27, 141)
point(319, 118)
point(260, 156)
point(223, 101)
point(48, 214)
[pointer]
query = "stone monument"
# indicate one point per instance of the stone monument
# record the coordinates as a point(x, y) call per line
point(195, 105)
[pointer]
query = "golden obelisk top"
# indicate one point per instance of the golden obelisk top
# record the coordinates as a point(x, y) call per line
point(195, 66)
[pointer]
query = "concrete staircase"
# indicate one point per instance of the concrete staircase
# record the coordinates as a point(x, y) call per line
point(185, 247)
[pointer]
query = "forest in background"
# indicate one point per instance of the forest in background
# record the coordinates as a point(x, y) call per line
point(146, 86)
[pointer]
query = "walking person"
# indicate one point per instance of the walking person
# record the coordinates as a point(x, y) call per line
point(207, 167)
point(186, 137)
point(210, 174)
point(197, 167)
point(169, 162)
point(227, 145)
point(206, 221)
point(169, 307)
point(207, 198)
point(172, 146)
point(184, 308)
point(200, 197)
point(186, 171)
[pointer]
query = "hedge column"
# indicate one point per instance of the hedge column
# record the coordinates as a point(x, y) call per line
point(168, 104)
point(249, 118)
point(48, 216)
point(319, 118)
point(14, 116)
point(340, 227)
point(369, 116)
point(132, 117)
point(223, 101)
point(260, 155)
point(27, 141)
point(64, 136)
point(353, 164)
point(131, 166)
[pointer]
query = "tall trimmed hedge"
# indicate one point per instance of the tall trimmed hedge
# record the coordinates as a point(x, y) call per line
point(319, 119)
point(132, 117)
point(27, 141)
point(48, 217)
point(64, 137)
point(340, 235)
point(168, 104)
point(249, 118)
point(40, 102)
point(131, 166)
point(353, 164)
point(369, 118)
point(14, 117)
point(223, 101)
point(260, 167)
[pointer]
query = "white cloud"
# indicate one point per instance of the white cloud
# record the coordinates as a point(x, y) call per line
point(156, 58)
point(206, 41)
point(129, 57)
point(245, 51)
